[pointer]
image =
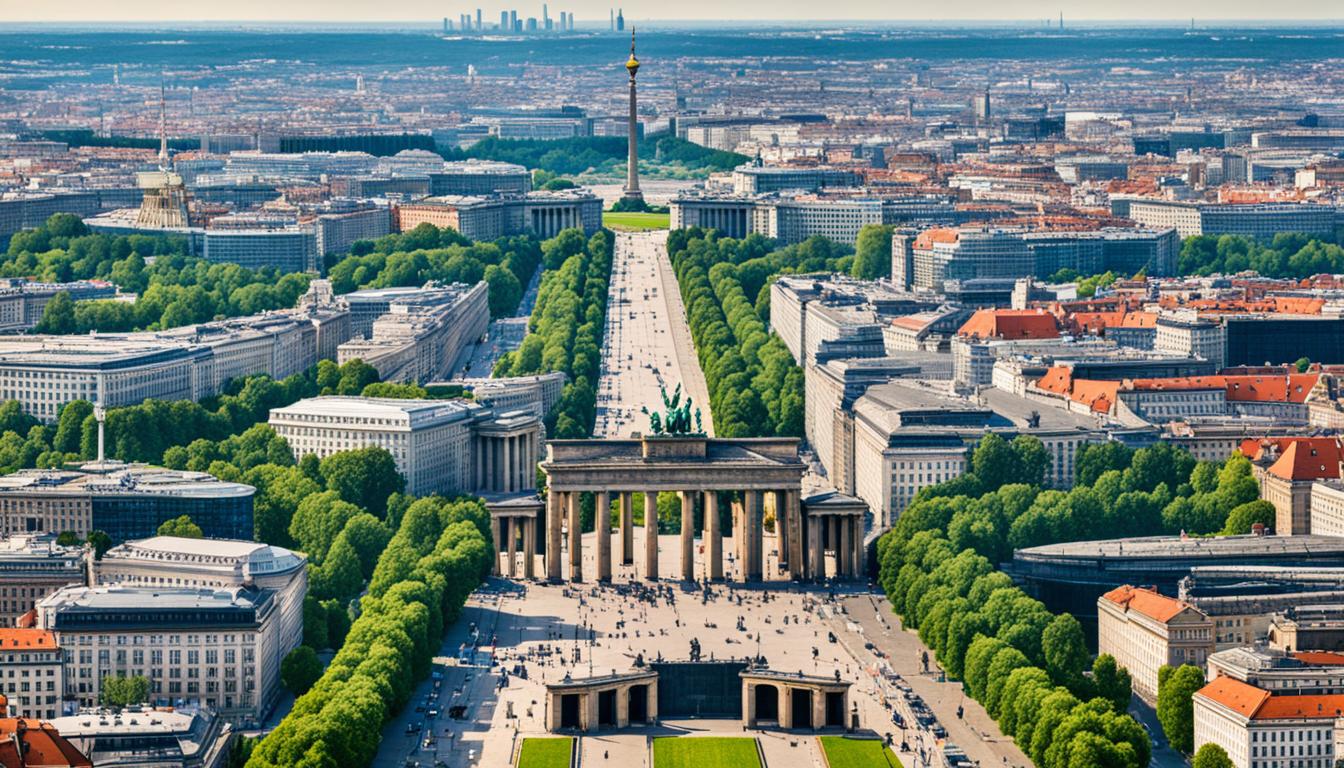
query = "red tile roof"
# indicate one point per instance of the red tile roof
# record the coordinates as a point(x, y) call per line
point(1320, 658)
point(1147, 602)
point(21, 639)
point(1308, 458)
point(42, 746)
point(1242, 698)
point(1010, 324)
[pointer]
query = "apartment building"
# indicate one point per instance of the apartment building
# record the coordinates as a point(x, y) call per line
point(1145, 631)
point(32, 673)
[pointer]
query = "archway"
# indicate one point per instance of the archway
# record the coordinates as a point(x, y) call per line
point(835, 709)
point(639, 703)
point(800, 702)
point(767, 703)
point(606, 709)
point(569, 710)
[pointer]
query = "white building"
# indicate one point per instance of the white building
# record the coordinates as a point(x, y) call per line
point(214, 648)
point(1260, 729)
point(1145, 631)
point(440, 446)
point(32, 676)
point(422, 333)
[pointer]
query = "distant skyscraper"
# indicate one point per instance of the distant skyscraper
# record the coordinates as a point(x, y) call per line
point(513, 20)
point(612, 13)
point(447, 25)
point(631, 191)
point(620, 20)
point(478, 20)
point(531, 23)
point(504, 21)
point(545, 17)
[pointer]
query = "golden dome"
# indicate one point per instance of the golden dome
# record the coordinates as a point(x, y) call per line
point(632, 64)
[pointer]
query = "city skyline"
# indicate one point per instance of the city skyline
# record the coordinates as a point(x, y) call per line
point(594, 14)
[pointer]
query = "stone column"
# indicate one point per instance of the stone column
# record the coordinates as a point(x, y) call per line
point(860, 553)
point(797, 563)
point(687, 536)
point(494, 532)
point(554, 515)
point(740, 537)
point(627, 529)
point(753, 526)
point(782, 527)
point(816, 566)
point(602, 525)
point(488, 449)
point(819, 710)
point(575, 537)
point(713, 537)
point(511, 534)
point(651, 535)
point(785, 695)
point(529, 547)
point(844, 555)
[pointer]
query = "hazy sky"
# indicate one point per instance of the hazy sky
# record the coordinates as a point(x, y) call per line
point(594, 10)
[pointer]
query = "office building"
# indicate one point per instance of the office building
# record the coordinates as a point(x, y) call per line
point(127, 501)
point(22, 302)
point(757, 179)
point(336, 232)
point(1145, 631)
point(1185, 335)
point(290, 249)
point(1261, 221)
point(32, 674)
point(214, 648)
point(140, 736)
point(423, 332)
point(542, 214)
point(1263, 729)
point(440, 446)
point(533, 394)
point(479, 178)
point(32, 567)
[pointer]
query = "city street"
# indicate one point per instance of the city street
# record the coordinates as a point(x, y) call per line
point(647, 342)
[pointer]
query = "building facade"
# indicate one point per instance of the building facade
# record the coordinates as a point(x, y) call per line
point(1145, 631)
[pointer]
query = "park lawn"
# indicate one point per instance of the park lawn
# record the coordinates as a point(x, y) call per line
point(857, 753)
point(545, 753)
point(705, 752)
point(635, 222)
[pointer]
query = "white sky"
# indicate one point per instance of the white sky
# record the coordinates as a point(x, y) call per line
point(644, 10)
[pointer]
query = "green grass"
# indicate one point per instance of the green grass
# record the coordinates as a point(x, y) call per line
point(545, 753)
point(634, 222)
point(857, 753)
point(705, 752)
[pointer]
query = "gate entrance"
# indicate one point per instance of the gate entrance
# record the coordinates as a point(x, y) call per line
point(802, 708)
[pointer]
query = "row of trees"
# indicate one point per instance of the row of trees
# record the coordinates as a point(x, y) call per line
point(567, 325)
point(175, 290)
point(418, 587)
point(430, 253)
point(755, 388)
point(1289, 254)
point(1027, 666)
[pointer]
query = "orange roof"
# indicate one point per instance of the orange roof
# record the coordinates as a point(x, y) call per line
point(1147, 602)
point(1308, 458)
point(1010, 324)
point(928, 237)
point(1097, 395)
point(42, 746)
point(1301, 707)
point(1292, 388)
point(1320, 658)
point(39, 639)
point(1058, 379)
point(1242, 698)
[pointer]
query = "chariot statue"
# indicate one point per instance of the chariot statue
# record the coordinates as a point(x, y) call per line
point(676, 418)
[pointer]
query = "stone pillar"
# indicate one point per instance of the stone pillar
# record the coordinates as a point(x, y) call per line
point(748, 704)
point(687, 536)
point(488, 446)
point(529, 547)
point(511, 531)
point(753, 525)
point(507, 464)
point(860, 553)
point(819, 710)
point(602, 525)
point(494, 533)
point(740, 538)
point(797, 562)
point(782, 527)
point(844, 556)
point(713, 537)
point(627, 529)
point(554, 516)
point(623, 707)
point(785, 695)
point(816, 566)
point(575, 537)
point(651, 535)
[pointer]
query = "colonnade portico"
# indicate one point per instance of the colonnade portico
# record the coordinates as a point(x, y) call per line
point(513, 524)
point(698, 469)
point(506, 457)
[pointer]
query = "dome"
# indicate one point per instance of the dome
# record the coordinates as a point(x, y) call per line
point(632, 64)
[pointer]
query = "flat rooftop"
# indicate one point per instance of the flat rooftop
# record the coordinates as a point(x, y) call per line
point(1176, 547)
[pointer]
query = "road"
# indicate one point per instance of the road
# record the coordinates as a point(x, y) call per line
point(505, 334)
point(975, 732)
point(647, 342)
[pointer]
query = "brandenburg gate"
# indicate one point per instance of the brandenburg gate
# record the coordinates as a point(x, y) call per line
point(692, 466)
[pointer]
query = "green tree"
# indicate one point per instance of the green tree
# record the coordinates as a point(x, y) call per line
point(364, 477)
point(872, 252)
point(1302, 364)
point(300, 669)
point(58, 316)
point(182, 526)
point(1112, 682)
point(100, 542)
point(355, 375)
point(1211, 755)
point(119, 692)
point(319, 519)
point(1175, 703)
point(1065, 651)
point(1244, 516)
point(314, 623)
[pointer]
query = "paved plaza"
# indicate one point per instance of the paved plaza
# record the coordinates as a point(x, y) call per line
point(588, 629)
point(647, 342)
